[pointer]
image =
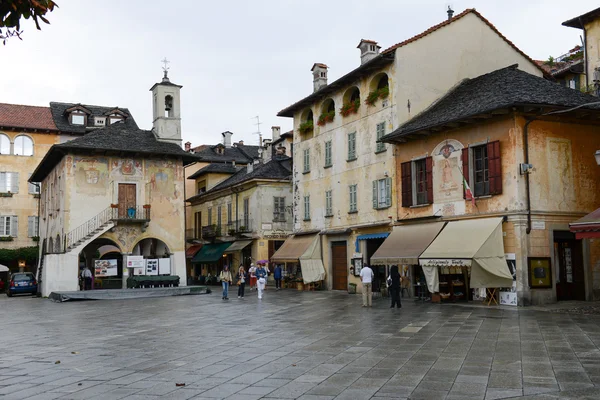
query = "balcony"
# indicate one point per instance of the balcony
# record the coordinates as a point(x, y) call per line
point(121, 213)
point(211, 231)
point(239, 227)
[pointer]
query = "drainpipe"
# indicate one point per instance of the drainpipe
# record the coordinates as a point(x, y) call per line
point(585, 53)
point(527, 190)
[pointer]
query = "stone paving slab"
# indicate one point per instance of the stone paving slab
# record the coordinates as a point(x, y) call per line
point(293, 345)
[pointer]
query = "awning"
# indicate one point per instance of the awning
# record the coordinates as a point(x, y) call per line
point(587, 227)
point(476, 243)
point(192, 250)
point(4, 268)
point(238, 246)
point(307, 250)
point(210, 253)
point(406, 243)
point(368, 236)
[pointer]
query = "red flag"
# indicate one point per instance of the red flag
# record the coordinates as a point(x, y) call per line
point(468, 193)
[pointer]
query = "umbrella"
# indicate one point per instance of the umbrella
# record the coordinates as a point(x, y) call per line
point(4, 268)
point(262, 262)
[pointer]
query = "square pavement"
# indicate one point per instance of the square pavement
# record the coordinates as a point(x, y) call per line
point(292, 345)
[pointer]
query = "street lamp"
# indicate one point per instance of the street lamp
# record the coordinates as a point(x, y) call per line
point(597, 155)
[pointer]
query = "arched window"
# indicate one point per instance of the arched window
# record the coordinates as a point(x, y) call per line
point(168, 106)
point(4, 144)
point(383, 82)
point(50, 248)
point(57, 248)
point(23, 146)
point(355, 95)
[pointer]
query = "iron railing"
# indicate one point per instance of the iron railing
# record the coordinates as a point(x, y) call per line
point(239, 226)
point(137, 213)
point(91, 225)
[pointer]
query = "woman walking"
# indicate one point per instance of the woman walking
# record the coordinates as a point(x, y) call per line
point(261, 275)
point(252, 271)
point(241, 276)
point(395, 287)
point(225, 277)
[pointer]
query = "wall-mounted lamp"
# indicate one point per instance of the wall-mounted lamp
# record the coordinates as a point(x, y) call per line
point(21, 263)
point(597, 155)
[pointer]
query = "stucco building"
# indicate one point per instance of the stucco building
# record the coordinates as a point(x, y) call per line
point(589, 23)
point(118, 187)
point(344, 178)
point(505, 147)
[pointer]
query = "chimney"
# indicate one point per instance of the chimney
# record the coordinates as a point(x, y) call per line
point(275, 133)
point(450, 13)
point(249, 167)
point(188, 146)
point(319, 72)
point(368, 50)
point(241, 143)
point(227, 139)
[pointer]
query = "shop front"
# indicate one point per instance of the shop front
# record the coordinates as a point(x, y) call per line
point(366, 244)
point(209, 262)
point(467, 255)
point(300, 256)
point(238, 251)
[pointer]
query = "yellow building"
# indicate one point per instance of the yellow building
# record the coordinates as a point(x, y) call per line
point(506, 145)
point(590, 24)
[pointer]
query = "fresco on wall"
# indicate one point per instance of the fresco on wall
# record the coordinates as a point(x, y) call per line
point(560, 172)
point(91, 175)
point(162, 174)
point(447, 177)
point(126, 168)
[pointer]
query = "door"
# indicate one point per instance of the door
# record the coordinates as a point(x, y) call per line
point(126, 199)
point(568, 253)
point(339, 257)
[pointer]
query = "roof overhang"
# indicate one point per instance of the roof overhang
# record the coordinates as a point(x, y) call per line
point(366, 69)
point(578, 22)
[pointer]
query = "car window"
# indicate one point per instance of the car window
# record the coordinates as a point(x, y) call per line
point(22, 277)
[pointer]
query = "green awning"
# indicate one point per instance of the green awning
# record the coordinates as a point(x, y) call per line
point(210, 253)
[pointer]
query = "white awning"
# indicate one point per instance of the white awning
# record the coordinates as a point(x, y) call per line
point(406, 243)
point(4, 268)
point(311, 262)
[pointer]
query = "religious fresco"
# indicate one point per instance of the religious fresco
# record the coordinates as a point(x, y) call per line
point(447, 175)
point(91, 175)
point(162, 175)
point(127, 167)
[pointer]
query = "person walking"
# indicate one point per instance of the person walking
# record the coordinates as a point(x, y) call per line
point(395, 286)
point(277, 277)
point(252, 271)
point(225, 278)
point(261, 276)
point(87, 276)
point(242, 277)
point(366, 276)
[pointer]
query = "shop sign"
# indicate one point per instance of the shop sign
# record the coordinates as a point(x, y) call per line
point(276, 234)
point(538, 225)
point(445, 262)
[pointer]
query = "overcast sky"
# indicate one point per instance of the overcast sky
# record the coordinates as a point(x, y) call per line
point(236, 59)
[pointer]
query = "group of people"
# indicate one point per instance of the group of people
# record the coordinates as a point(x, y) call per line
point(256, 276)
point(393, 282)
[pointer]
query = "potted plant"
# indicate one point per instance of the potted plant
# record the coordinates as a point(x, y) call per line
point(326, 117)
point(306, 127)
point(352, 288)
point(381, 93)
point(35, 238)
point(350, 108)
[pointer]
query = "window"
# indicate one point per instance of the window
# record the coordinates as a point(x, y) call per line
point(23, 146)
point(9, 182)
point(482, 169)
point(78, 118)
point(229, 214)
point(197, 224)
point(307, 208)
point(201, 187)
point(32, 226)
point(34, 187)
point(210, 216)
point(352, 146)
point(417, 182)
point(328, 204)
point(382, 193)
point(306, 153)
point(380, 133)
point(328, 154)
point(99, 121)
point(114, 118)
point(246, 213)
point(219, 218)
point(353, 198)
point(481, 172)
point(9, 225)
point(4, 144)
point(278, 209)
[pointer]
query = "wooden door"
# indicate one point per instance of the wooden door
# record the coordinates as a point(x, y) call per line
point(570, 283)
point(126, 198)
point(339, 257)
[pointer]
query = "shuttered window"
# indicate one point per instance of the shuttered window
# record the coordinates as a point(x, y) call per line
point(380, 133)
point(219, 218)
point(278, 209)
point(247, 213)
point(328, 204)
point(209, 216)
point(9, 225)
point(352, 146)
point(482, 169)
point(9, 182)
point(353, 205)
point(306, 208)
point(229, 214)
point(306, 154)
point(328, 153)
point(32, 226)
point(382, 193)
point(417, 182)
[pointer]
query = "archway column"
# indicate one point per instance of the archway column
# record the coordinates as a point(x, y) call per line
point(126, 271)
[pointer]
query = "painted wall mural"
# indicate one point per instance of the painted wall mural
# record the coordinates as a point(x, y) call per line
point(162, 175)
point(91, 175)
point(126, 168)
point(448, 178)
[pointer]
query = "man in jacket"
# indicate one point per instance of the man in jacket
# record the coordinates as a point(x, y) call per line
point(277, 277)
point(226, 279)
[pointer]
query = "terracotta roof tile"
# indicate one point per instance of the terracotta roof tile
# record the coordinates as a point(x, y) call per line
point(30, 117)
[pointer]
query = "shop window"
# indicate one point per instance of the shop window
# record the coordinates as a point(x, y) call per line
point(307, 208)
point(483, 167)
point(23, 146)
point(9, 182)
point(328, 154)
point(9, 225)
point(351, 146)
point(380, 133)
point(306, 158)
point(382, 193)
point(278, 209)
point(417, 182)
point(4, 144)
point(328, 204)
point(353, 207)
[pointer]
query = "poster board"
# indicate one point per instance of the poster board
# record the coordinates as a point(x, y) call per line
point(152, 267)
point(164, 266)
point(105, 268)
point(137, 263)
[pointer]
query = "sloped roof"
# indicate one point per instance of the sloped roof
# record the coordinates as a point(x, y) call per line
point(276, 169)
point(117, 137)
point(61, 118)
point(241, 154)
point(218, 168)
point(580, 20)
point(503, 88)
point(26, 117)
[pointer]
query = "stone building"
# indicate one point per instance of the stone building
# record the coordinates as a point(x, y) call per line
point(344, 178)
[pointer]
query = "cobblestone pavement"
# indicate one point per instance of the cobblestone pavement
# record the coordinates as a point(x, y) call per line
point(318, 345)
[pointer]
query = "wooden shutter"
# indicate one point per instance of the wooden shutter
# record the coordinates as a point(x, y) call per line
point(494, 167)
point(14, 226)
point(465, 169)
point(429, 177)
point(15, 182)
point(388, 192)
point(30, 226)
point(406, 175)
point(375, 202)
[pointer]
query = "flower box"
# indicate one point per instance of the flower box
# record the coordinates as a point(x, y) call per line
point(326, 117)
point(6, 238)
point(306, 127)
point(114, 206)
point(377, 94)
point(350, 108)
point(147, 206)
point(7, 194)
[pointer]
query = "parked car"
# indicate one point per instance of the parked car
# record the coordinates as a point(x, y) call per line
point(22, 282)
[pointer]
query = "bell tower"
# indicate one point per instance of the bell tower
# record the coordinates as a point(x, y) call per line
point(166, 111)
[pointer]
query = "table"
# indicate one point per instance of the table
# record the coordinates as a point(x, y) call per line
point(490, 293)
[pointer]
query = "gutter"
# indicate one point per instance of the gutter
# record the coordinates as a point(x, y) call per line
point(526, 160)
point(585, 53)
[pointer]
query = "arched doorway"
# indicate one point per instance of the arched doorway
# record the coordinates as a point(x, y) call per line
point(105, 260)
point(156, 254)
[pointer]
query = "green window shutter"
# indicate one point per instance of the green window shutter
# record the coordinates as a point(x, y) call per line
point(328, 203)
point(327, 154)
point(388, 192)
point(352, 146)
point(380, 134)
point(375, 194)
